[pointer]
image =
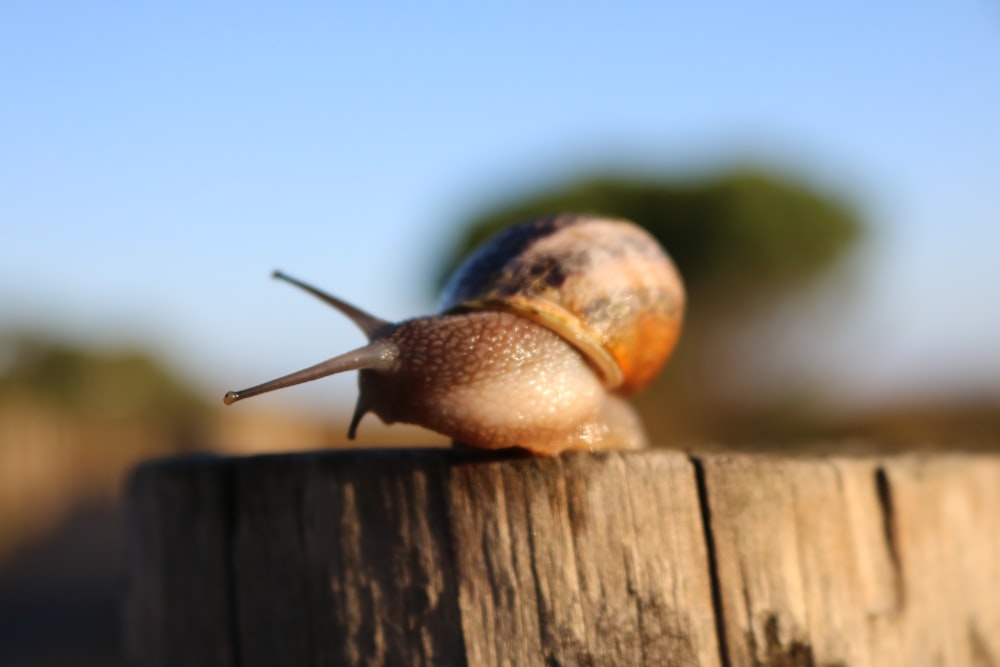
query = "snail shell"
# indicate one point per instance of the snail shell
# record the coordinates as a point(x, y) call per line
point(543, 330)
point(604, 285)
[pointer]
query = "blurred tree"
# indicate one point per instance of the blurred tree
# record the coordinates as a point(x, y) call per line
point(743, 241)
point(125, 385)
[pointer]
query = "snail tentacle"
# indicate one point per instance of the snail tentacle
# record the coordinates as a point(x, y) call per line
point(377, 355)
point(367, 322)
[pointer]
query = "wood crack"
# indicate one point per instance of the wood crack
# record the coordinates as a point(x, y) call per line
point(713, 565)
point(883, 491)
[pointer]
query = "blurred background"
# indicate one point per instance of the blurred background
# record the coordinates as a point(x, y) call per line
point(825, 177)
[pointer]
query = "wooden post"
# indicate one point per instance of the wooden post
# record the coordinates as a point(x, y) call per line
point(420, 557)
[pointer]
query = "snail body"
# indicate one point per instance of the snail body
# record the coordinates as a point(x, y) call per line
point(543, 332)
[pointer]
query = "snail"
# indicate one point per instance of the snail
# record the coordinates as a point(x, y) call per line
point(543, 333)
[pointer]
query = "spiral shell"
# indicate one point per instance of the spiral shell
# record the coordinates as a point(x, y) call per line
point(605, 285)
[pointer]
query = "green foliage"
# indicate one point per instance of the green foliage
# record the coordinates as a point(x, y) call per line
point(122, 384)
point(745, 233)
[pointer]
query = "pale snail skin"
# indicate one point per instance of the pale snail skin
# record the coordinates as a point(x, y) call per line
point(544, 329)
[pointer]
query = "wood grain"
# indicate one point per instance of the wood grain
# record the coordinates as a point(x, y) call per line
point(421, 557)
point(176, 604)
point(858, 561)
point(584, 559)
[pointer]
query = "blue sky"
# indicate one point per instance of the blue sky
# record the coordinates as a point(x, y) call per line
point(159, 160)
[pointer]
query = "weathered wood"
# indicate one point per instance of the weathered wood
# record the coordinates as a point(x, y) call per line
point(177, 605)
point(857, 561)
point(582, 560)
point(343, 559)
point(657, 558)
